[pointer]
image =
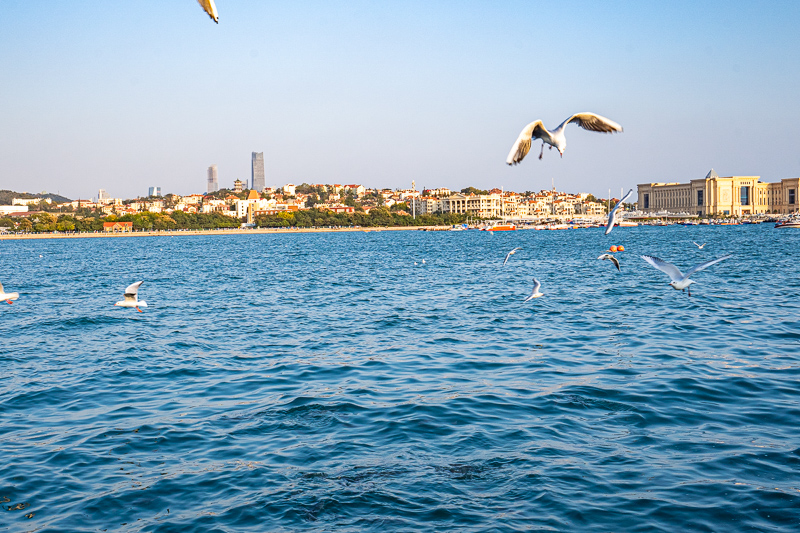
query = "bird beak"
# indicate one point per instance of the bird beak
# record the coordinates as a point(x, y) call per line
point(561, 154)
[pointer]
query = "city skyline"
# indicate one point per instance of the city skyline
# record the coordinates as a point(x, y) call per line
point(383, 94)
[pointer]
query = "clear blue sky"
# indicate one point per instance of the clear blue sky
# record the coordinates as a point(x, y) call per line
point(124, 95)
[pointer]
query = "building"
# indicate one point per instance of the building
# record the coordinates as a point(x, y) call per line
point(715, 195)
point(8, 209)
point(257, 172)
point(238, 186)
point(154, 191)
point(101, 195)
point(213, 182)
point(118, 227)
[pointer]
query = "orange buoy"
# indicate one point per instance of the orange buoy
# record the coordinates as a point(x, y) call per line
point(620, 248)
point(612, 248)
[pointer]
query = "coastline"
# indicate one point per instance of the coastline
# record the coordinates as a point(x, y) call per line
point(229, 231)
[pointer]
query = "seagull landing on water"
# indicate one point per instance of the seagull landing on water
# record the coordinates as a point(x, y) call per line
point(7, 296)
point(509, 254)
point(680, 281)
point(535, 293)
point(132, 297)
point(612, 215)
point(611, 258)
point(210, 8)
point(700, 246)
point(536, 130)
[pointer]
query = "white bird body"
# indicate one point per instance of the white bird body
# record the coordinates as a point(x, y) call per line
point(210, 8)
point(556, 138)
point(7, 296)
point(700, 246)
point(611, 258)
point(509, 254)
point(613, 214)
point(680, 280)
point(535, 293)
point(132, 297)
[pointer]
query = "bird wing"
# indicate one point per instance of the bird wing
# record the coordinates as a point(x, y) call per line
point(132, 292)
point(705, 265)
point(593, 122)
point(507, 256)
point(536, 285)
point(610, 223)
point(696, 244)
point(615, 261)
point(2, 290)
point(534, 130)
point(667, 268)
point(210, 8)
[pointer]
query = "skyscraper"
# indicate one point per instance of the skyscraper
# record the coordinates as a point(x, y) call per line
point(102, 195)
point(257, 174)
point(154, 191)
point(212, 179)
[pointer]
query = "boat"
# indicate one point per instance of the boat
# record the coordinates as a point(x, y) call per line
point(501, 227)
point(788, 224)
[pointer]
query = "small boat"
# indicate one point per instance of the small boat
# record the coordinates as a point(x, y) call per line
point(788, 224)
point(501, 227)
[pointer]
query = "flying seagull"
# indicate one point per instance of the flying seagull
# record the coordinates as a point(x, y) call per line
point(700, 246)
point(509, 254)
point(680, 281)
point(210, 8)
point(535, 293)
point(610, 258)
point(7, 296)
point(613, 213)
point(536, 130)
point(132, 297)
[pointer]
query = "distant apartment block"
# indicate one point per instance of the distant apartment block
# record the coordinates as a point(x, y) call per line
point(154, 191)
point(213, 182)
point(257, 172)
point(102, 195)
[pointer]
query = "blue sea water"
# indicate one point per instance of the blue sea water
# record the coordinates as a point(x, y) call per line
point(324, 382)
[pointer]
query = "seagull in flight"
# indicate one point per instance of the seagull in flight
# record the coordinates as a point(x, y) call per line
point(680, 281)
point(612, 215)
point(611, 258)
point(7, 296)
point(210, 8)
point(509, 254)
point(132, 297)
point(700, 246)
point(536, 130)
point(535, 293)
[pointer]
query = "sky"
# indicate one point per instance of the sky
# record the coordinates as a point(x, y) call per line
point(126, 95)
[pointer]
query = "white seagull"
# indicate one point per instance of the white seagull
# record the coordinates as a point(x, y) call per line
point(536, 130)
point(700, 246)
point(132, 297)
point(611, 258)
point(509, 254)
point(612, 215)
point(680, 281)
point(210, 8)
point(535, 293)
point(7, 296)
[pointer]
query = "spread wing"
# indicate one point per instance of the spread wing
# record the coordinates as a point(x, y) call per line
point(667, 268)
point(534, 130)
point(2, 290)
point(593, 122)
point(132, 292)
point(210, 8)
point(536, 285)
point(611, 215)
point(705, 265)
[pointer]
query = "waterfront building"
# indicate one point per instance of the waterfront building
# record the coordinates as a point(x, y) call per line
point(213, 182)
point(715, 195)
point(117, 227)
point(257, 172)
point(154, 191)
point(483, 205)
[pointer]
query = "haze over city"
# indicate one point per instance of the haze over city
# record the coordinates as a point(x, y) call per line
point(123, 96)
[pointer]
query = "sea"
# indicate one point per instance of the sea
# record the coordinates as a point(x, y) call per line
point(397, 381)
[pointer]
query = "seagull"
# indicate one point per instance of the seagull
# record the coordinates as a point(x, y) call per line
point(680, 281)
point(536, 130)
point(509, 254)
point(210, 8)
point(700, 246)
point(535, 293)
point(132, 297)
point(7, 296)
point(610, 258)
point(613, 213)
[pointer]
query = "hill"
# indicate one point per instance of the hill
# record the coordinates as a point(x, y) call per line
point(6, 196)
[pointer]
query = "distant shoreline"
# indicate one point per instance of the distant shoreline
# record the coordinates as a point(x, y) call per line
point(231, 231)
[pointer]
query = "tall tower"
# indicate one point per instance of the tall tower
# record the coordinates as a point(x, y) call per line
point(212, 179)
point(257, 174)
